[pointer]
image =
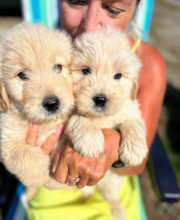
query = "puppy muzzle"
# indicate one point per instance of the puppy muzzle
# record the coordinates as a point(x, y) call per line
point(100, 102)
point(51, 104)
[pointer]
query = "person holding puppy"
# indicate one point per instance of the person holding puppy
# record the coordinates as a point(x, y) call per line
point(78, 16)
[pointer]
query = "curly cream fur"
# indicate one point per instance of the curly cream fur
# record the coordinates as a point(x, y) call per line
point(34, 50)
point(106, 52)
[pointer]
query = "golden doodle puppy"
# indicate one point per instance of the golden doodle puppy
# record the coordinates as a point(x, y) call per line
point(105, 73)
point(35, 87)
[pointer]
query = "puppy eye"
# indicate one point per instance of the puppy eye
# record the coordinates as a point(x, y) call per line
point(117, 75)
point(58, 68)
point(86, 71)
point(22, 76)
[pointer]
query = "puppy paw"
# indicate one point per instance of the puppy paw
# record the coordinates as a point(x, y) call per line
point(133, 151)
point(52, 184)
point(117, 210)
point(32, 167)
point(90, 144)
point(86, 137)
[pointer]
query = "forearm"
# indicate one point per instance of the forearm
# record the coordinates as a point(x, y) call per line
point(135, 170)
point(151, 117)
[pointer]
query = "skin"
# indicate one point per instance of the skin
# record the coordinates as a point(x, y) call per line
point(87, 15)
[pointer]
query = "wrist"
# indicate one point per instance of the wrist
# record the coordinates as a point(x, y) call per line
point(115, 135)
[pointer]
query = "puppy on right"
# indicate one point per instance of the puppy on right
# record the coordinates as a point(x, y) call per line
point(105, 73)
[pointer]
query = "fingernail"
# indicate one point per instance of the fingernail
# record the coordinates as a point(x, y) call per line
point(79, 186)
point(54, 167)
point(35, 125)
point(59, 129)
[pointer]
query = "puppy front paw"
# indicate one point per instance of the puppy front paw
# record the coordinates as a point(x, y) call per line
point(133, 151)
point(90, 143)
point(118, 211)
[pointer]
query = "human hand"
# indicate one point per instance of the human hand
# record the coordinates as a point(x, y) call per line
point(89, 170)
point(48, 145)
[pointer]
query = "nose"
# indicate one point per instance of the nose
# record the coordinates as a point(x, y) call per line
point(100, 100)
point(92, 18)
point(51, 104)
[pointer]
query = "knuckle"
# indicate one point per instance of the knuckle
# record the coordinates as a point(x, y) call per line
point(98, 175)
point(47, 148)
point(82, 167)
point(88, 171)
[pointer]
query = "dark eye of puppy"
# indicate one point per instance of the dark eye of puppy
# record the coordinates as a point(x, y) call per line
point(86, 71)
point(58, 68)
point(117, 75)
point(22, 76)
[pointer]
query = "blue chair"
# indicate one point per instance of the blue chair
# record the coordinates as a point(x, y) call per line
point(163, 178)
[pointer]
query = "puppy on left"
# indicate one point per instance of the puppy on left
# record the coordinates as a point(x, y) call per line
point(35, 87)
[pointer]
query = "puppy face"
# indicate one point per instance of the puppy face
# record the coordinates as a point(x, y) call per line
point(104, 72)
point(35, 71)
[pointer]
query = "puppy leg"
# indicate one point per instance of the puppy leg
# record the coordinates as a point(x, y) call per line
point(30, 192)
point(87, 192)
point(133, 148)
point(109, 186)
point(85, 136)
point(29, 164)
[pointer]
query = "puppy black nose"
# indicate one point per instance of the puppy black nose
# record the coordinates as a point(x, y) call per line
point(100, 100)
point(51, 104)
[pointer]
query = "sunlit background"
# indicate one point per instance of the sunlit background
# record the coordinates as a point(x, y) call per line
point(165, 36)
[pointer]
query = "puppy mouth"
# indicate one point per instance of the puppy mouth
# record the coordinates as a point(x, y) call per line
point(99, 110)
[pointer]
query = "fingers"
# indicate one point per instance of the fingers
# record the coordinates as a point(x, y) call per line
point(61, 172)
point(89, 170)
point(60, 167)
point(32, 134)
point(96, 178)
point(52, 140)
point(72, 178)
point(56, 162)
point(83, 180)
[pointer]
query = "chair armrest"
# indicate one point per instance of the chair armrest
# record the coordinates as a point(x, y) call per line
point(162, 175)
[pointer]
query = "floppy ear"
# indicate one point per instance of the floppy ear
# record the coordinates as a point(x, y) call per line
point(4, 99)
point(134, 91)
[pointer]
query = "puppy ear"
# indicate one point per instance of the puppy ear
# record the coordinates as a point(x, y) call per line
point(4, 99)
point(134, 91)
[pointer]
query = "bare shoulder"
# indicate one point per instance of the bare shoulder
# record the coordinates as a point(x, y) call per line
point(154, 68)
point(152, 86)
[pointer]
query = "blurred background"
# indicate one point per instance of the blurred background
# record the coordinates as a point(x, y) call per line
point(165, 36)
